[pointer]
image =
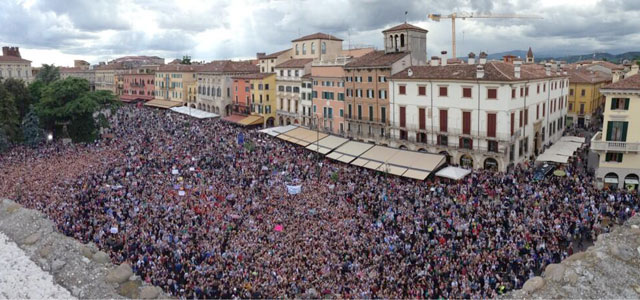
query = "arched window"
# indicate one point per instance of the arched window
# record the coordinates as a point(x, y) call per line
point(313, 48)
point(324, 48)
point(390, 41)
point(304, 48)
point(208, 91)
point(297, 49)
point(402, 40)
point(218, 92)
point(395, 41)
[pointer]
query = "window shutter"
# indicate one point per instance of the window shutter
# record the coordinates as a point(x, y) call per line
point(624, 131)
point(619, 157)
point(614, 103)
point(609, 130)
point(626, 103)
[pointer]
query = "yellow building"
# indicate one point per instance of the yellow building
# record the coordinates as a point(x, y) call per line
point(254, 95)
point(192, 93)
point(619, 143)
point(173, 81)
point(585, 99)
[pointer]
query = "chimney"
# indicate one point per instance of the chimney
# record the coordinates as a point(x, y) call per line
point(516, 68)
point(443, 60)
point(480, 71)
point(11, 51)
point(483, 58)
point(472, 58)
point(547, 69)
point(435, 61)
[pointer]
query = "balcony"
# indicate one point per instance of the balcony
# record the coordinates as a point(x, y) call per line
point(457, 132)
point(287, 113)
point(599, 144)
point(366, 120)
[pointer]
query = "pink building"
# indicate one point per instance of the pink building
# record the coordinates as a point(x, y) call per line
point(138, 85)
point(328, 96)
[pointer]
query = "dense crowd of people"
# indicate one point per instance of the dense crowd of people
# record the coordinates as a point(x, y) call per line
point(202, 216)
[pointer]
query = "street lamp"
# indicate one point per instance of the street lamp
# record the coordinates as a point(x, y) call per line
point(50, 137)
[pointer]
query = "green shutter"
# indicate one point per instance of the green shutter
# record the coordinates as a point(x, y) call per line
point(624, 131)
point(619, 157)
point(614, 103)
point(609, 130)
point(626, 103)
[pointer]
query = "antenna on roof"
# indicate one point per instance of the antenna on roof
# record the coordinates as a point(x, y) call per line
point(405, 16)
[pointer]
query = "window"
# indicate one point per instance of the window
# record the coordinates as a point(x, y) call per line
point(582, 93)
point(492, 94)
point(513, 93)
point(297, 49)
point(313, 48)
point(526, 117)
point(359, 112)
point(324, 48)
point(620, 104)
point(371, 113)
point(466, 92)
point(443, 140)
point(443, 91)
point(297, 73)
point(571, 92)
point(617, 131)
point(383, 114)
point(544, 109)
point(421, 119)
point(382, 79)
point(304, 49)
point(582, 108)
point(289, 73)
point(422, 90)
point(612, 156)
point(521, 118)
point(526, 91)
point(296, 89)
point(341, 113)
point(402, 90)
point(492, 146)
point(369, 79)
point(538, 89)
point(443, 120)
point(491, 125)
point(382, 94)
point(570, 106)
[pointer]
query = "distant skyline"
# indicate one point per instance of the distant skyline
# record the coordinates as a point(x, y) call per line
point(59, 31)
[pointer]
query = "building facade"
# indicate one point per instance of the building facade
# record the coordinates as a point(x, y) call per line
point(105, 77)
point(486, 115)
point(585, 100)
point(317, 46)
point(289, 82)
point(138, 85)
point(78, 72)
point(12, 65)
point(255, 94)
point(618, 145)
point(268, 63)
point(215, 83)
point(172, 82)
point(329, 96)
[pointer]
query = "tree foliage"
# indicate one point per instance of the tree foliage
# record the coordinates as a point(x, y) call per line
point(32, 134)
point(21, 95)
point(9, 118)
point(48, 74)
point(35, 91)
point(69, 101)
point(4, 141)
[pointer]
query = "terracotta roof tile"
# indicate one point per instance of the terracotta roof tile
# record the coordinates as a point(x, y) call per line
point(228, 66)
point(317, 36)
point(585, 76)
point(276, 54)
point(295, 63)
point(376, 59)
point(254, 76)
point(179, 68)
point(6, 58)
point(493, 71)
point(405, 26)
point(629, 83)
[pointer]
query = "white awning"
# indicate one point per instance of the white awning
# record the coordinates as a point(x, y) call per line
point(193, 112)
point(274, 131)
point(610, 180)
point(454, 173)
point(630, 181)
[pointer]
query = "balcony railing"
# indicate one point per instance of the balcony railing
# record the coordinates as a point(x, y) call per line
point(366, 120)
point(599, 144)
point(287, 113)
point(456, 132)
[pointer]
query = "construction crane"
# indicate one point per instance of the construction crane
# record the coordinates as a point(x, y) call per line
point(454, 16)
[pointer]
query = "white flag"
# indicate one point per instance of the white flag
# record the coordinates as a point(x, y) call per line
point(294, 189)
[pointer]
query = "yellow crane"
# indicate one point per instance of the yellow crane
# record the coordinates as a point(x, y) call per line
point(453, 16)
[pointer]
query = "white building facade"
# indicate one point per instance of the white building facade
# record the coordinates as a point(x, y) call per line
point(489, 115)
point(289, 80)
point(12, 65)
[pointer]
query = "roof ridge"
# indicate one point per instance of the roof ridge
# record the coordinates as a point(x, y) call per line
point(496, 67)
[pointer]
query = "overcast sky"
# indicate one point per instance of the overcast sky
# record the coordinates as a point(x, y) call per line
point(58, 31)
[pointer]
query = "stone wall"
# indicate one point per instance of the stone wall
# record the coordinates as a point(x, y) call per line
point(609, 269)
point(80, 268)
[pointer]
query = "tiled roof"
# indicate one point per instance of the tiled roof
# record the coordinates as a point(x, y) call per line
point(115, 66)
point(585, 76)
point(254, 76)
point(228, 66)
point(376, 59)
point(609, 65)
point(6, 58)
point(317, 36)
point(493, 71)
point(405, 26)
point(179, 68)
point(295, 63)
point(275, 54)
point(629, 83)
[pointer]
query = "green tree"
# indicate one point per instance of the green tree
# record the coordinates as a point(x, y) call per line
point(21, 95)
point(35, 91)
point(69, 101)
point(4, 141)
point(9, 118)
point(186, 60)
point(32, 134)
point(48, 74)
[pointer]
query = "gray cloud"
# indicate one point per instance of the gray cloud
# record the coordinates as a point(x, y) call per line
point(111, 28)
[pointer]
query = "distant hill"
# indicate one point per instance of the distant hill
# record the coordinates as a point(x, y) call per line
point(571, 58)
